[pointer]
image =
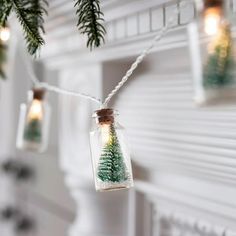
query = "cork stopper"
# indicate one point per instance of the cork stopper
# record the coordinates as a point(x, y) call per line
point(38, 93)
point(105, 116)
point(213, 3)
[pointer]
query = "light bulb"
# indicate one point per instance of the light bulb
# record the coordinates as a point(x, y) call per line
point(35, 110)
point(4, 34)
point(212, 20)
point(105, 132)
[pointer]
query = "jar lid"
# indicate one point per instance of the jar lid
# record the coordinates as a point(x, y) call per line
point(105, 116)
point(38, 93)
point(213, 3)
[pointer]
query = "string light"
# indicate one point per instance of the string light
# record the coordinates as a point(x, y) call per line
point(105, 128)
point(110, 155)
point(35, 110)
point(213, 59)
point(33, 124)
point(212, 19)
point(212, 13)
point(5, 34)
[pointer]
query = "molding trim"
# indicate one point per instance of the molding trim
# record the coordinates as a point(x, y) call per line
point(138, 23)
point(169, 200)
point(186, 225)
point(219, 171)
point(72, 56)
point(127, 34)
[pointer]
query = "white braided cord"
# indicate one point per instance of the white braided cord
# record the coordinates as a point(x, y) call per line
point(55, 89)
point(68, 92)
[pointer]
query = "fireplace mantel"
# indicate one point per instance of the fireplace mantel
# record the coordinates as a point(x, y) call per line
point(184, 156)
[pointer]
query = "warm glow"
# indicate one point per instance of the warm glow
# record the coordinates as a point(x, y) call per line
point(105, 132)
point(35, 110)
point(4, 34)
point(212, 21)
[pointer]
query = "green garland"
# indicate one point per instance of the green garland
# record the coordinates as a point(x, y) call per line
point(30, 14)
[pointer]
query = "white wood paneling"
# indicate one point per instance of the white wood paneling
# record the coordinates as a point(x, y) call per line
point(188, 152)
point(123, 22)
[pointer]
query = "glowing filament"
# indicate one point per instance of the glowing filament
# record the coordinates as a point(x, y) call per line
point(35, 110)
point(4, 34)
point(105, 133)
point(212, 21)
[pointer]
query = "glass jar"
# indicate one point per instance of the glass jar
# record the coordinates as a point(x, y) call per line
point(4, 37)
point(34, 122)
point(212, 52)
point(110, 156)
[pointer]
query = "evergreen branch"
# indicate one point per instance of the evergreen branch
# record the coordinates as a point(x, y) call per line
point(30, 15)
point(89, 21)
point(39, 8)
point(5, 10)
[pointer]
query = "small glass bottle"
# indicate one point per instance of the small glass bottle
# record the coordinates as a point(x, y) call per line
point(4, 38)
point(212, 53)
point(110, 156)
point(34, 119)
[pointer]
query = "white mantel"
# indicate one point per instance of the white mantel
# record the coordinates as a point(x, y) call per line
point(188, 155)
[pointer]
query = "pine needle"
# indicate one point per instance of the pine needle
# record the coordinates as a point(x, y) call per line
point(30, 15)
point(5, 10)
point(90, 20)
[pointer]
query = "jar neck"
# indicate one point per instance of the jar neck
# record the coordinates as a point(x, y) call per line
point(36, 94)
point(218, 7)
point(105, 116)
point(213, 3)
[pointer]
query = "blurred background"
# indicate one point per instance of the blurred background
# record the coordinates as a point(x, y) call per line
point(183, 156)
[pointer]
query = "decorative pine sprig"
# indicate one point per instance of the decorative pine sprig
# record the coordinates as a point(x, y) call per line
point(40, 7)
point(30, 15)
point(3, 52)
point(90, 21)
point(5, 10)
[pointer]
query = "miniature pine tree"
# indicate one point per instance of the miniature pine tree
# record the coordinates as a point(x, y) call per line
point(111, 166)
point(218, 69)
point(33, 131)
